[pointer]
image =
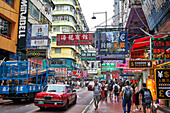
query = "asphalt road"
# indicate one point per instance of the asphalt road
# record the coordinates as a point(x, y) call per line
point(83, 99)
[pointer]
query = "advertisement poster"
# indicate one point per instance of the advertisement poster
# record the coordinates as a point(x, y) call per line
point(141, 64)
point(162, 77)
point(40, 31)
point(75, 39)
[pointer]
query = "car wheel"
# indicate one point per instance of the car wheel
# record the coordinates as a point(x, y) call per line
point(75, 100)
point(66, 106)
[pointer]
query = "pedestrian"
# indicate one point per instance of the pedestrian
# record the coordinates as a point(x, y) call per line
point(102, 90)
point(96, 94)
point(127, 94)
point(136, 97)
point(120, 84)
point(105, 90)
point(146, 98)
point(116, 89)
point(110, 88)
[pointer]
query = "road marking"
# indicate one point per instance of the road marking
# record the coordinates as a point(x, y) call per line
point(78, 96)
point(87, 106)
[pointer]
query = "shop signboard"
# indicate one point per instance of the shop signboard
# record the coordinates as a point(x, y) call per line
point(60, 72)
point(160, 48)
point(109, 67)
point(162, 77)
point(150, 85)
point(39, 42)
point(122, 65)
point(75, 39)
point(88, 56)
point(113, 56)
point(36, 53)
point(137, 54)
point(112, 42)
point(132, 71)
point(39, 31)
point(22, 24)
point(144, 64)
point(154, 11)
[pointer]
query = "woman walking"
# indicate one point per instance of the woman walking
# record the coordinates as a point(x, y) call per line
point(136, 98)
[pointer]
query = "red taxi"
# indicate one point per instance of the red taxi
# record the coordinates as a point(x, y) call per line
point(55, 95)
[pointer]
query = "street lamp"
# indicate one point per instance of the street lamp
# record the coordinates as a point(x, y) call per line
point(100, 13)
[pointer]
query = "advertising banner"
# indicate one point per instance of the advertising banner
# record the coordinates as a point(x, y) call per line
point(144, 64)
point(160, 48)
point(39, 42)
point(60, 72)
point(132, 71)
point(112, 42)
point(40, 31)
point(109, 67)
point(22, 24)
point(112, 57)
point(150, 85)
point(162, 77)
point(137, 54)
point(75, 39)
point(121, 65)
point(88, 56)
point(36, 53)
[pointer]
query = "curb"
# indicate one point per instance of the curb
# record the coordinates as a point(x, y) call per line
point(87, 107)
point(5, 102)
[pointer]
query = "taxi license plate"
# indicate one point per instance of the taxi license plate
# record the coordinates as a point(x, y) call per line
point(40, 102)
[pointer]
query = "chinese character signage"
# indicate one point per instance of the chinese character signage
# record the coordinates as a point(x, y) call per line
point(88, 56)
point(137, 54)
point(112, 42)
point(39, 42)
point(75, 39)
point(109, 67)
point(36, 53)
point(122, 65)
point(40, 31)
point(162, 77)
point(113, 56)
point(132, 70)
point(140, 64)
point(62, 72)
point(151, 86)
point(160, 48)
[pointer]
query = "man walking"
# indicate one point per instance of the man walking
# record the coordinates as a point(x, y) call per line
point(110, 88)
point(146, 98)
point(127, 94)
point(116, 89)
point(96, 94)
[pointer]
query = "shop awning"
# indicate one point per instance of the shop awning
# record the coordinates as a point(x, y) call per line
point(144, 42)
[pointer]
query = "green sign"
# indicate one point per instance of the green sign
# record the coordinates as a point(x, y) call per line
point(88, 56)
point(109, 67)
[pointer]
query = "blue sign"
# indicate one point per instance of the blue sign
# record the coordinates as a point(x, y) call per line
point(112, 42)
point(155, 10)
point(114, 56)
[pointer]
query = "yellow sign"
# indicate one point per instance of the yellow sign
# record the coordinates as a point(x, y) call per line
point(151, 86)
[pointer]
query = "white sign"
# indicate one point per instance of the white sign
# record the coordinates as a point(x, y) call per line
point(39, 31)
point(40, 42)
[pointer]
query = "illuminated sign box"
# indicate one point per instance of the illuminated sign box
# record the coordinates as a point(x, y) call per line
point(88, 56)
point(140, 64)
point(162, 77)
point(75, 39)
point(160, 48)
point(36, 53)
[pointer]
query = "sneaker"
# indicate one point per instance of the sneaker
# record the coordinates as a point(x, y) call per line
point(133, 110)
point(137, 109)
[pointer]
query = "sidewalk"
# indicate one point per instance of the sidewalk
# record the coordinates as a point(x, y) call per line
point(4, 101)
point(111, 107)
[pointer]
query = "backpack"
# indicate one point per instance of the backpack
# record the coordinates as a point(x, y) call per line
point(110, 87)
point(147, 96)
point(127, 94)
point(96, 90)
point(116, 88)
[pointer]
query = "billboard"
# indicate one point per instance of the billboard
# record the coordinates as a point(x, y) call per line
point(40, 31)
point(39, 42)
point(88, 56)
point(137, 54)
point(75, 39)
point(109, 67)
point(36, 53)
point(162, 77)
point(144, 64)
point(160, 48)
point(112, 42)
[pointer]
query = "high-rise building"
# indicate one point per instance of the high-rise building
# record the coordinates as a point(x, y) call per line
point(67, 19)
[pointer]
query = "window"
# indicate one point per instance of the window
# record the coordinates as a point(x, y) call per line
point(53, 39)
point(57, 50)
point(10, 2)
point(58, 61)
point(5, 28)
point(56, 29)
point(34, 11)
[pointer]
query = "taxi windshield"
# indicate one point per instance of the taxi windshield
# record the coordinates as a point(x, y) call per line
point(54, 89)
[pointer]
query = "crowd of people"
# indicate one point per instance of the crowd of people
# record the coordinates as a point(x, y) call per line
point(128, 92)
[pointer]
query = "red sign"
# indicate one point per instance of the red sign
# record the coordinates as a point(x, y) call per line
point(75, 39)
point(60, 71)
point(138, 54)
point(121, 65)
point(132, 71)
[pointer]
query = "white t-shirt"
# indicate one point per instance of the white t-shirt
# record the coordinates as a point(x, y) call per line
point(117, 86)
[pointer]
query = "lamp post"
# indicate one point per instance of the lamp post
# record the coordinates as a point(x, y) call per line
point(100, 13)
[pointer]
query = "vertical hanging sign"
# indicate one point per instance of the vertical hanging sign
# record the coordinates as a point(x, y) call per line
point(22, 23)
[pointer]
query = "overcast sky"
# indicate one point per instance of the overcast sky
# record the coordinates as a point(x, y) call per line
point(90, 6)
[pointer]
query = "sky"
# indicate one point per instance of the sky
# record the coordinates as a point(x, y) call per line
point(91, 6)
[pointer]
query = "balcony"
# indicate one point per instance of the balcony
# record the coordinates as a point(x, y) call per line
point(68, 2)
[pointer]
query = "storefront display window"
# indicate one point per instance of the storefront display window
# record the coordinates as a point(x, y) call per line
point(10, 2)
point(5, 28)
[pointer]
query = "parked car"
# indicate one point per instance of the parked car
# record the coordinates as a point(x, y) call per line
point(90, 86)
point(55, 95)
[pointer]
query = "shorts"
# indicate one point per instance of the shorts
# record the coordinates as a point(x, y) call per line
point(96, 98)
point(144, 105)
point(110, 92)
point(116, 93)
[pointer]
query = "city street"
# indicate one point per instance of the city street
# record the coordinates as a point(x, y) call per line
point(83, 99)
